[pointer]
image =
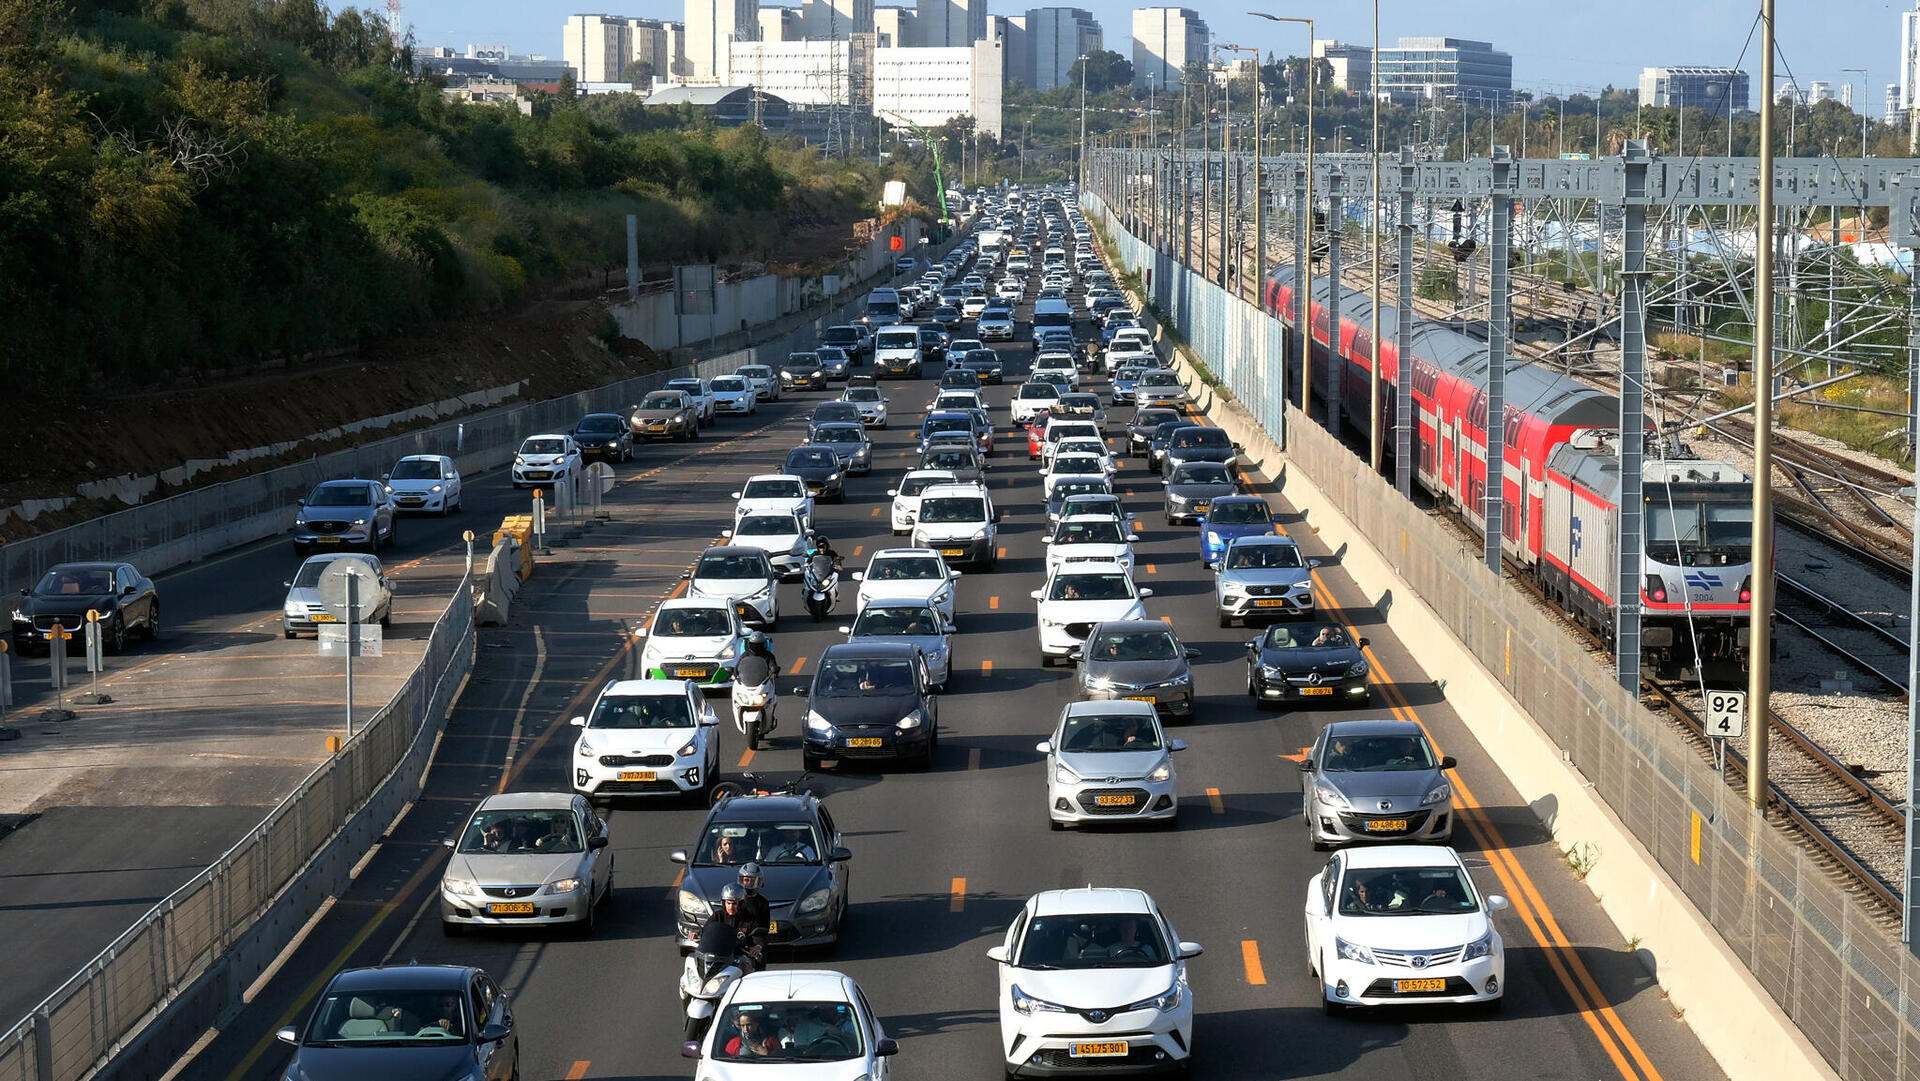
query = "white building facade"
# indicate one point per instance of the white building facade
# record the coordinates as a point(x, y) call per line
point(597, 46)
point(1056, 38)
point(800, 72)
point(712, 27)
point(930, 86)
point(950, 23)
point(1165, 41)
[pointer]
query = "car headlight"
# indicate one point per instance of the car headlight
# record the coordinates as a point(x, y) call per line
point(910, 722)
point(1357, 668)
point(1352, 951)
point(518, 460)
point(980, 534)
point(691, 748)
point(388, 488)
point(693, 906)
point(1329, 795)
point(1233, 589)
point(1026, 1003)
point(563, 885)
point(817, 723)
point(1479, 947)
point(1212, 537)
point(610, 446)
point(461, 887)
point(1165, 1000)
point(833, 476)
point(359, 521)
point(1162, 772)
point(1441, 793)
point(814, 903)
point(1064, 775)
point(292, 610)
point(1099, 683)
point(436, 489)
point(584, 749)
point(1177, 681)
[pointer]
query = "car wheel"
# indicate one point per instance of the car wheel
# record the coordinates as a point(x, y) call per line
point(590, 922)
point(452, 929)
point(386, 620)
point(810, 762)
point(117, 635)
point(1225, 620)
point(152, 631)
point(291, 634)
point(694, 434)
point(1332, 1008)
point(1055, 825)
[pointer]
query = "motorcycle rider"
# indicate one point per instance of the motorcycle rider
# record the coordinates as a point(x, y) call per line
point(756, 668)
point(823, 565)
point(754, 905)
point(749, 933)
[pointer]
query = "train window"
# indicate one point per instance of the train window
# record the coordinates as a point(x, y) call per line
point(1514, 422)
point(1477, 412)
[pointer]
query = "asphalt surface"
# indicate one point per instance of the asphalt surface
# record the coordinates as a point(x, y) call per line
point(943, 859)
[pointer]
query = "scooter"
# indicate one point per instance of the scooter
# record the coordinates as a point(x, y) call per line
point(822, 593)
point(711, 968)
point(753, 711)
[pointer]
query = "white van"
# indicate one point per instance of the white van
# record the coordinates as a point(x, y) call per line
point(1052, 312)
point(896, 351)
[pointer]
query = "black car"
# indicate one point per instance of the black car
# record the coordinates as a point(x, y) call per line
point(870, 700)
point(947, 317)
point(1192, 487)
point(820, 467)
point(959, 378)
point(127, 601)
point(1144, 422)
point(933, 342)
point(803, 371)
point(804, 867)
point(1317, 663)
point(849, 338)
point(605, 436)
point(1163, 437)
point(986, 364)
point(408, 1020)
point(833, 413)
point(1195, 443)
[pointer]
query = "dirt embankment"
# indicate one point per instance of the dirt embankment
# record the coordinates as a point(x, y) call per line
point(55, 443)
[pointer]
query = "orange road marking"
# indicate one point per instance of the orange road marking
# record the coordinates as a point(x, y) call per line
point(1214, 801)
point(1250, 957)
point(958, 902)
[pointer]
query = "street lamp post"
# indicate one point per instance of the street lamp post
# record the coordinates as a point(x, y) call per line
point(1259, 211)
point(1375, 443)
point(1083, 120)
point(1302, 289)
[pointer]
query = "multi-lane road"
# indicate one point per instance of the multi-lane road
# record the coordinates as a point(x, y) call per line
point(943, 859)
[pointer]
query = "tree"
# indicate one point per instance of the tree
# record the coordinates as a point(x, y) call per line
point(569, 91)
point(639, 73)
point(1106, 70)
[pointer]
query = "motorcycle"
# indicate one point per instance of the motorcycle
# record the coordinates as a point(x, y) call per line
point(713, 965)
point(822, 587)
point(753, 710)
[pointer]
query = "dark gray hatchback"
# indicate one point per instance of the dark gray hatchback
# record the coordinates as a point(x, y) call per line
point(871, 700)
point(429, 1021)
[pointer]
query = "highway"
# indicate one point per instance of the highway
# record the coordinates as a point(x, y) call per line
point(943, 859)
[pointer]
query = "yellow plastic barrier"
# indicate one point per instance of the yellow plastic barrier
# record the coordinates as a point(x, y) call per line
point(520, 528)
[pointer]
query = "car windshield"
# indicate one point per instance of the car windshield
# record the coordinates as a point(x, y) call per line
point(730, 384)
point(1039, 390)
point(836, 335)
point(982, 356)
point(863, 394)
point(1077, 463)
point(1263, 557)
point(1091, 587)
point(306, 578)
point(416, 469)
point(858, 677)
point(1134, 646)
point(1077, 429)
point(522, 830)
point(1090, 531)
point(949, 459)
point(786, 1031)
point(754, 371)
point(1079, 487)
point(731, 565)
point(838, 435)
point(1094, 940)
point(1210, 438)
point(1240, 514)
point(685, 386)
point(896, 619)
point(1154, 418)
point(1201, 473)
point(71, 580)
point(948, 424)
point(397, 1017)
point(646, 711)
point(913, 486)
point(357, 495)
point(1159, 378)
point(1080, 401)
point(1406, 891)
point(767, 525)
point(693, 623)
point(836, 412)
point(953, 508)
point(1377, 754)
point(802, 360)
point(601, 424)
point(774, 489)
point(1076, 508)
point(732, 843)
point(1095, 733)
point(900, 339)
point(906, 569)
point(808, 458)
point(543, 446)
point(663, 400)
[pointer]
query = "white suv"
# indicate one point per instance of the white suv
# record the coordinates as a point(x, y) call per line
point(958, 521)
point(646, 737)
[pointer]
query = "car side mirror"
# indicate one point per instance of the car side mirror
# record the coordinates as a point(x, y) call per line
point(1176, 745)
point(288, 584)
point(1237, 446)
point(599, 841)
point(686, 576)
point(447, 842)
point(578, 722)
point(1190, 950)
point(1313, 563)
point(287, 1035)
point(385, 477)
point(841, 855)
point(859, 576)
point(300, 502)
point(804, 692)
point(1035, 594)
point(891, 492)
point(1496, 903)
point(997, 954)
point(709, 719)
point(1306, 765)
point(494, 1032)
point(690, 1049)
point(885, 1047)
point(1192, 652)
point(1146, 593)
point(733, 495)
point(1447, 762)
point(678, 855)
point(1366, 641)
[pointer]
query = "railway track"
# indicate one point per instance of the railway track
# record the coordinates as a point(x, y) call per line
point(1875, 649)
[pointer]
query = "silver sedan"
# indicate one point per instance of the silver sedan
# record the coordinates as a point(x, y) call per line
point(527, 859)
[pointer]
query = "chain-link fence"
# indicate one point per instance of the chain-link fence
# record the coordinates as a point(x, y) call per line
point(1842, 975)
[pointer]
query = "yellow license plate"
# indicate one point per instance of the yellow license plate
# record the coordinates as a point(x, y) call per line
point(1113, 801)
point(691, 673)
point(326, 617)
point(1200, 508)
point(1387, 825)
point(1316, 690)
point(773, 927)
point(656, 427)
point(637, 775)
point(510, 908)
point(1102, 1049)
point(1139, 698)
point(866, 741)
point(327, 540)
point(1403, 986)
point(953, 551)
point(1274, 603)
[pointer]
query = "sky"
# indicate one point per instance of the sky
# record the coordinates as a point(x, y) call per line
point(1559, 46)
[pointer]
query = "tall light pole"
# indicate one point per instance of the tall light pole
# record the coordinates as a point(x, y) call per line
point(1862, 72)
point(1259, 217)
point(1304, 303)
point(1375, 444)
point(1083, 120)
point(1760, 637)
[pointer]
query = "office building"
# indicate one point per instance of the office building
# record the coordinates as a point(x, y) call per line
point(1056, 39)
point(658, 50)
point(1015, 44)
point(1350, 67)
point(712, 26)
point(782, 24)
point(895, 27)
point(951, 23)
point(597, 46)
point(1846, 94)
point(1891, 111)
point(1909, 84)
point(801, 72)
point(495, 60)
point(836, 19)
point(1424, 69)
point(1165, 41)
point(932, 85)
point(1712, 89)
point(1819, 90)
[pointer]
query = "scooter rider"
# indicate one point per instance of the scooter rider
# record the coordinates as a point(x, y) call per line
point(750, 935)
point(754, 905)
point(757, 668)
point(821, 557)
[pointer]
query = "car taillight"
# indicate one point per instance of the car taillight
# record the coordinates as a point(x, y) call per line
point(1746, 589)
point(1656, 588)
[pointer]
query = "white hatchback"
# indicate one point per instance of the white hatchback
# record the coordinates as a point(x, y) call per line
point(773, 493)
point(1093, 978)
point(546, 459)
point(793, 1024)
point(1079, 596)
point(917, 574)
point(732, 394)
point(906, 498)
point(646, 737)
point(1033, 399)
point(424, 482)
point(696, 638)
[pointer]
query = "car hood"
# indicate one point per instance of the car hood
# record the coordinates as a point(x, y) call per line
point(676, 647)
point(655, 414)
point(1329, 661)
point(1135, 672)
point(1413, 933)
point(381, 1063)
point(928, 644)
point(847, 1070)
point(637, 741)
point(774, 544)
point(1201, 491)
point(815, 472)
point(868, 709)
point(1200, 454)
point(794, 504)
point(1092, 611)
point(1370, 785)
point(780, 884)
point(903, 589)
point(525, 459)
point(732, 394)
point(1268, 576)
point(1098, 765)
point(75, 604)
point(1235, 532)
point(426, 484)
point(1117, 553)
point(727, 588)
point(514, 869)
point(1094, 988)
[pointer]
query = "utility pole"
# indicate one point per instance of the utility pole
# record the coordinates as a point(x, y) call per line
point(1303, 282)
point(1760, 633)
point(1375, 441)
point(1083, 119)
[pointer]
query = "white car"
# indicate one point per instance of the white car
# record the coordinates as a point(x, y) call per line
point(1160, 386)
point(1109, 761)
point(1011, 289)
point(906, 498)
point(732, 394)
point(972, 306)
point(763, 379)
point(545, 459)
point(911, 574)
point(1132, 340)
point(1061, 428)
point(1403, 923)
point(809, 1025)
point(871, 403)
point(1089, 539)
point(1082, 444)
point(429, 483)
point(959, 522)
point(636, 722)
point(701, 391)
point(1077, 597)
point(950, 399)
point(1057, 369)
point(780, 534)
point(696, 638)
point(1032, 399)
point(774, 493)
point(1093, 977)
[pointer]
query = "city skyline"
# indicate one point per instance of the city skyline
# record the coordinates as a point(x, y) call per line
point(1546, 58)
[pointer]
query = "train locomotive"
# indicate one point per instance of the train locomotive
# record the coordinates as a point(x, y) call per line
point(1561, 483)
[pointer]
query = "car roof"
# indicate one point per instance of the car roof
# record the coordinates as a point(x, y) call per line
point(527, 801)
point(102, 566)
point(693, 602)
point(1379, 726)
point(795, 477)
point(1403, 856)
point(1133, 625)
point(867, 649)
point(431, 457)
point(767, 808)
point(343, 481)
point(646, 687)
point(956, 488)
point(1108, 707)
point(1265, 538)
point(323, 557)
point(547, 435)
point(938, 474)
point(1091, 899)
point(1090, 567)
point(730, 549)
point(391, 977)
point(792, 985)
point(1240, 499)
